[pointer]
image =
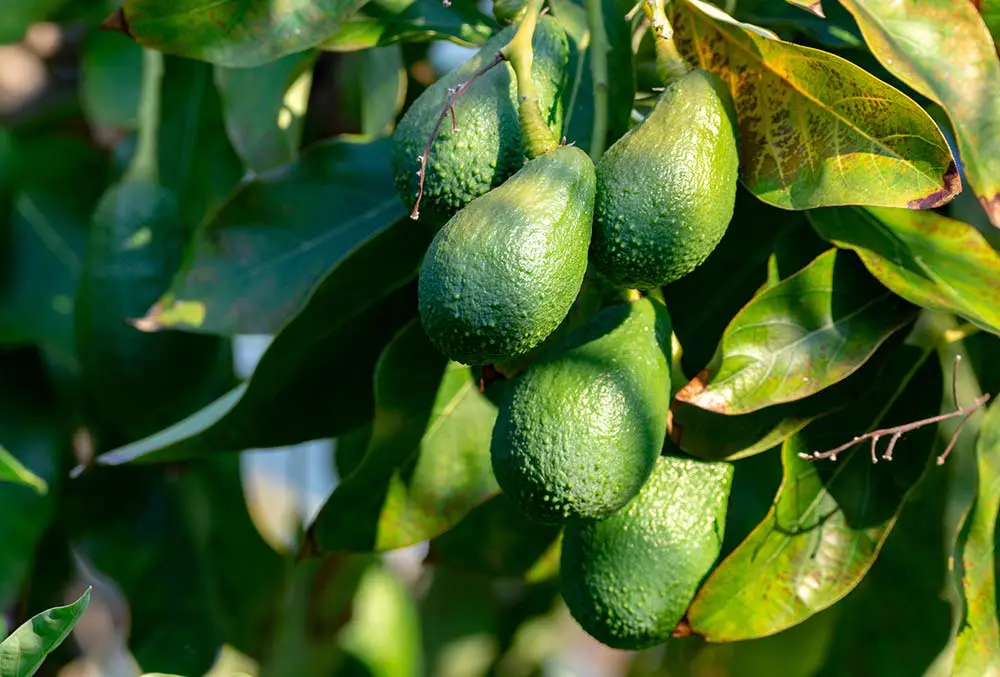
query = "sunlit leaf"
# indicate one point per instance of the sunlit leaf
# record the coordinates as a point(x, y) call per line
point(236, 33)
point(383, 23)
point(427, 463)
point(24, 651)
point(792, 340)
point(829, 519)
point(314, 380)
point(11, 470)
point(257, 260)
point(812, 6)
point(926, 258)
point(943, 50)
point(816, 130)
point(264, 130)
point(978, 649)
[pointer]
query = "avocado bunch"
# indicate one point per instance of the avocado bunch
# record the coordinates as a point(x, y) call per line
point(579, 437)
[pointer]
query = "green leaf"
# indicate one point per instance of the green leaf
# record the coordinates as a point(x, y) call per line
point(829, 520)
point(384, 23)
point(496, 539)
point(816, 130)
point(926, 258)
point(978, 649)
point(12, 471)
point(314, 380)
point(835, 30)
point(798, 337)
point(264, 108)
point(990, 11)
point(256, 261)
point(111, 80)
point(373, 89)
point(579, 96)
point(944, 51)
point(18, 15)
point(22, 654)
point(235, 33)
point(196, 160)
point(428, 460)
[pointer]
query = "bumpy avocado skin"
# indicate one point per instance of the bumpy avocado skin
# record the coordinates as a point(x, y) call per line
point(502, 274)
point(580, 430)
point(666, 189)
point(486, 148)
point(628, 579)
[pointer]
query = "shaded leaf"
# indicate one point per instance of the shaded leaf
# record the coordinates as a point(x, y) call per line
point(944, 51)
point(798, 337)
point(978, 648)
point(314, 380)
point(257, 260)
point(18, 15)
point(111, 80)
point(264, 129)
point(383, 23)
point(427, 463)
point(926, 258)
point(11, 470)
point(990, 11)
point(816, 130)
point(237, 33)
point(835, 30)
point(496, 539)
point(373, 90)
point(829, 520)
point(24, 651)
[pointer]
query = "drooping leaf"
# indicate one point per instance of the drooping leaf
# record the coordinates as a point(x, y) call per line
point(579, 94)
point(978, 648)
point(373, 89)
point(235, 33)
point(264, 127)
point(926, 258)
point(829, 520)
point(798, 337)
point(384, 23)
point(196, 160)
point(256, 261)
point(816, 130)
point(314, 380)
point(427, 463)
point(944, 51)
point(24, 651)
point(11, 470)
point(496, 539)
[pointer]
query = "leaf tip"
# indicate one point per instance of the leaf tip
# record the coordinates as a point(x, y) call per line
point(991, 205)
point(696, 393)
point(116, 22)
point(170, 312)
point(951, 185)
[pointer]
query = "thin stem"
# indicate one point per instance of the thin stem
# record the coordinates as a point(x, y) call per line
point(449, 109)
point(599, 69)
point(670, 65)
point(535, 133)
point(144, 163)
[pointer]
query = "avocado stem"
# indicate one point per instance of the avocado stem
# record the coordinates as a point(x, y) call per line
point(535, 133)
point(670, 65)
point(143, 166)
point(599, 70)
point(448, 109)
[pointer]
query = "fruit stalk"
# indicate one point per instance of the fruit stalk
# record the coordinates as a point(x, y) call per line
point(599, 69)
point(536, 136)
point(670, 65)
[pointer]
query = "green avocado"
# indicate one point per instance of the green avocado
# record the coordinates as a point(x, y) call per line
point(628, 579)
point(580, 430)
point(486, 147)
point(502, 274)
point(666, 189)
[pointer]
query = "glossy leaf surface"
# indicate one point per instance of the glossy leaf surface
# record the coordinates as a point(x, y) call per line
point(24, 651)
point(385, 23)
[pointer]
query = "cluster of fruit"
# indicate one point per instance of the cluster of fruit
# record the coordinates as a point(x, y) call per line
point(580, 432)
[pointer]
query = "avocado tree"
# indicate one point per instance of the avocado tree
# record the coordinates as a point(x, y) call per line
point(659, 327)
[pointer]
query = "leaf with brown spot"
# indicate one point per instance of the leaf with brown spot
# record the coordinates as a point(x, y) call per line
point(816, 130)
point(943, 50)
point(798, 337)
point(928, 259)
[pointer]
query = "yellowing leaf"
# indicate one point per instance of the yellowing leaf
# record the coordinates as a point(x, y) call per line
point(816, 130)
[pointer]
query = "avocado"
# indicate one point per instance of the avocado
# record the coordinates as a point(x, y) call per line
point(580, 430)
point(628, 579)
point(486, 147)
point(502, 274)
point(666, 189)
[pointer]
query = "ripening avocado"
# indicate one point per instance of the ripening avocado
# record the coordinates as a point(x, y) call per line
point(666, 189)
point(629, 579)
point(579, 431)
point(486, 147)
point(502, 273)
